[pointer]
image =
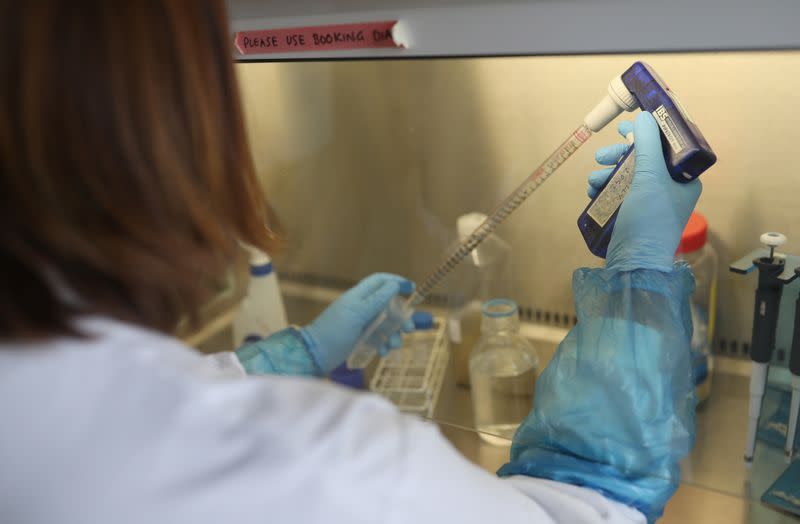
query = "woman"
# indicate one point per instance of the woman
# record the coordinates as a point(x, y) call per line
point(126, 187)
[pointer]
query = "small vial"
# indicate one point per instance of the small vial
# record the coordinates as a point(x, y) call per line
point(502, 369)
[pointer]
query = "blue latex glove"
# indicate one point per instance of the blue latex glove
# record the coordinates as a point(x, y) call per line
point(283, 353)
point(654, 213)
point(333, 335)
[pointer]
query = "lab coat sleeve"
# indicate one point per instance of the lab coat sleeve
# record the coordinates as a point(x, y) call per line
point(614, 409)
point(434, 480)
point(128, 426)
point(283, 353)
point(283, 449)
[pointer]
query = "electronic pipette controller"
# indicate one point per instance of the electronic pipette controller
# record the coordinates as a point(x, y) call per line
point(686, 152)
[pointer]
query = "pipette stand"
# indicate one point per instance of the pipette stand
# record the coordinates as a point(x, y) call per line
point(794, 369)
point(746, 264)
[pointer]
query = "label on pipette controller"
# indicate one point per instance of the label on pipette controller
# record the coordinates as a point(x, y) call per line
point(671, 132)
point(680, 107)
point(612, 195)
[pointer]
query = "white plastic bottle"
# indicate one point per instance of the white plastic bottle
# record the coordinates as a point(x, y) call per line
point(261, 313)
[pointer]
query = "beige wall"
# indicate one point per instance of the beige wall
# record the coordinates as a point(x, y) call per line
point(369, 163)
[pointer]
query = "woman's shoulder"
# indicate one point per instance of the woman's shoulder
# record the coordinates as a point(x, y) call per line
point(130, 405)
point(124, 373)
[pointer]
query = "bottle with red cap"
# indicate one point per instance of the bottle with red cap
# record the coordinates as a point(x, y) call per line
point(701, 257)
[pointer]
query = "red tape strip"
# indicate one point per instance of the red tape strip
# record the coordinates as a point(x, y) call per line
point(371, 35)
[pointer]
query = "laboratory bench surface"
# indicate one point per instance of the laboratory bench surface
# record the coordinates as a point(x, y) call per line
point(715, 486)
point(712, 474)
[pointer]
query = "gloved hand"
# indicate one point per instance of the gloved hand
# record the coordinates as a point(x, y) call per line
point(333, 335)
point(653, 215)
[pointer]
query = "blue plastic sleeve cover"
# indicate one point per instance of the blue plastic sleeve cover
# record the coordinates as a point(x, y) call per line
point(283, 353)
point(614, 410)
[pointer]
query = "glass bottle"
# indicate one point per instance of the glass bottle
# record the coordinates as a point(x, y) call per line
point(481, 276)
point(502, 370)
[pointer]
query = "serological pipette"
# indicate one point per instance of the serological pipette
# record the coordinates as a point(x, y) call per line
point(616, 100)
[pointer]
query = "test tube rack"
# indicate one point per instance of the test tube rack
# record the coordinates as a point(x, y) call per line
point(411, 376)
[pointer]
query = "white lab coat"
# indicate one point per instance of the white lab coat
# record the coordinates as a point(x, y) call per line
point(130, 426)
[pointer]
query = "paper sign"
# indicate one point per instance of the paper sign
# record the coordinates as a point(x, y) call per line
point(370, 35)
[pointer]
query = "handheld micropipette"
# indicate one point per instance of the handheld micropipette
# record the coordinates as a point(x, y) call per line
point(617, 99)
point(794, 368)
point(773, 273)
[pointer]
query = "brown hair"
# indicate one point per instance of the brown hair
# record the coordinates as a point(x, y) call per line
point(125, 175)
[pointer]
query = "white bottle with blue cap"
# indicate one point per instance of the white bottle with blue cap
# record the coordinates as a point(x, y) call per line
point(261, 313)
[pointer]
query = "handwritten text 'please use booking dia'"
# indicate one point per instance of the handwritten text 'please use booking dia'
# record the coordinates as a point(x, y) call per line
point(320, 39)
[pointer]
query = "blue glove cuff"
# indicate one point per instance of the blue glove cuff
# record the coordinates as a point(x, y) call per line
point(678, 276)
point(321, 357)
point(286, 352)
point(648, 493)
point(643, 257)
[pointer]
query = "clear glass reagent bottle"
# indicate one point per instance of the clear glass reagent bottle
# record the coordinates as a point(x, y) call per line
point(502, 368)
